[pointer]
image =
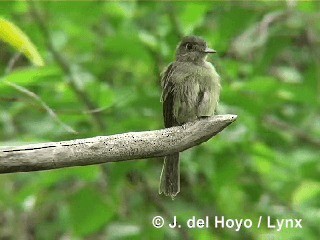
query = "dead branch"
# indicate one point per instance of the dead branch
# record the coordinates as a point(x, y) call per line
point(119, 147)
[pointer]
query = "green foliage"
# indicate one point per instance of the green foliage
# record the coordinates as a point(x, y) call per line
point(12, 35)
point(265, 164)
point(87, 220)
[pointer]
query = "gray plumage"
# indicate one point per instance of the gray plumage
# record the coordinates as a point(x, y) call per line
point(190, 90)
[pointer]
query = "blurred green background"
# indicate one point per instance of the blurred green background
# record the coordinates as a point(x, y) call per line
point(103, 61)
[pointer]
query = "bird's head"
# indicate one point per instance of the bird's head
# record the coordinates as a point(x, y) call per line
point(192, 48)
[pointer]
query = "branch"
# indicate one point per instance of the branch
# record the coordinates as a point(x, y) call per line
point(12, 62)
point(297, 132)
point(33, 96)
point(174, 21)
point(114, 148)
point(64, 65)
point(42, 104)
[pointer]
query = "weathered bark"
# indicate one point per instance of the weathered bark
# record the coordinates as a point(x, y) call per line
point(119, 147)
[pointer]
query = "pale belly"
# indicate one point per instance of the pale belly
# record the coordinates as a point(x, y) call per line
point(195, 97)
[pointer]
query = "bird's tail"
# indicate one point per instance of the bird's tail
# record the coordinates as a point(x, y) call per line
point(170, 176)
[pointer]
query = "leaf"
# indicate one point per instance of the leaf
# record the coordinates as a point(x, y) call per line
point(298, 93)
point(192, 15)
point(272, 48)
point(28, 76)
point(307, 6)
point(101, 93)
point(46, 180)
point(88, 212)
point(119, 48)
point(122, 231)
point(307, 191)
point(260, 85)
point(13, 35)
point(230, 23)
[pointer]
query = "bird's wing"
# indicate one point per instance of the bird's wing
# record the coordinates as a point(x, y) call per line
point(166, 82)
point(167, 96)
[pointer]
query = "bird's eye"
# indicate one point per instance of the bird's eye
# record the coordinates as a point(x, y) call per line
point(189, 46)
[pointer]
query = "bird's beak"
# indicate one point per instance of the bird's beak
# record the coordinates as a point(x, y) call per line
point(209, 50)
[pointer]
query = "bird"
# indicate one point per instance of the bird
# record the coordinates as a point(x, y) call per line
point(190, 91)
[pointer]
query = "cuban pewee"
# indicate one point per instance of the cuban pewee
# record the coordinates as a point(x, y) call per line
point(190, 90)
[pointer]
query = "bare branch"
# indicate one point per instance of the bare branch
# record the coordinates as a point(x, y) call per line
point(12, 62)
point(32, 95)
point(119, 147)
point(37, 99)
point(64, 65)
point(298, 133)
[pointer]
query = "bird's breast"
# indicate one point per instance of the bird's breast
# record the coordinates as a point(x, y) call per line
point(194, 83)
point(200, 72)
